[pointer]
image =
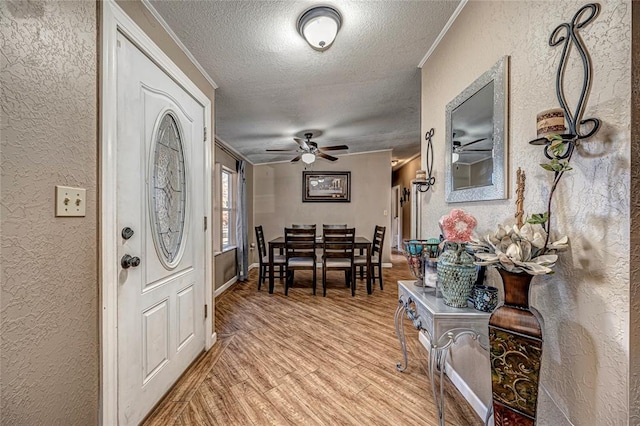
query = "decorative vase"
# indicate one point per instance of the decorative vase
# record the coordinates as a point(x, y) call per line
point(485, 298)
point(515, 336)
point(456, 274)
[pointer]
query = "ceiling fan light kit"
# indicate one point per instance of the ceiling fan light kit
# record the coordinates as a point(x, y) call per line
point(308, 158)
point(319, 26)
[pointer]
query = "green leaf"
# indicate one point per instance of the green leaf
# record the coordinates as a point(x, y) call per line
point(547, 167)
point(556, 142)
point(538, 218)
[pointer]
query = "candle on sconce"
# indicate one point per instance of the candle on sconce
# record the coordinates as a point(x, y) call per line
point(550, 122)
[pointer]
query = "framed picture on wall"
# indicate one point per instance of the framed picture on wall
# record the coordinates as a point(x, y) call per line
point(326, 187)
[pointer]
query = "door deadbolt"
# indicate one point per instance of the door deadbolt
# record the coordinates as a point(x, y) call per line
point(129, 261)
point(127, 233)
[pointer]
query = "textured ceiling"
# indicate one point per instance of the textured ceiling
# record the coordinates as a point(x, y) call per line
point(364, 91)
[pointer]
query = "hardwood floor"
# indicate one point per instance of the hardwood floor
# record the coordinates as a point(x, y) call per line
point(305, 360)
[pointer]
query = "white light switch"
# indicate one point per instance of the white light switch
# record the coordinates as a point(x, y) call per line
point(385, 212)
point(70, 201)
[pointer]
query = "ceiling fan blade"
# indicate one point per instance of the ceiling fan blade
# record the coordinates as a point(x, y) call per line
point(476, 141)
point(281, 150)
point(296, 159)
point(334, 148)
point(302, 143)
point(326, 156)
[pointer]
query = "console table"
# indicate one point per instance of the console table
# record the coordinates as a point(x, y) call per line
point(443, 325)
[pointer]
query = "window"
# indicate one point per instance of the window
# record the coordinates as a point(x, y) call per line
point(227, 208)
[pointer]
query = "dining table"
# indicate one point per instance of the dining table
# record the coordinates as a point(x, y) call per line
point(363, 244)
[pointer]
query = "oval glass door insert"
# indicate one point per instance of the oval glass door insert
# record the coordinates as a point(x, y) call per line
point(168, 191)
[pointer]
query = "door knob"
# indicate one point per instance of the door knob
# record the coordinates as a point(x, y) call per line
point(129, 261)
point(127, 233)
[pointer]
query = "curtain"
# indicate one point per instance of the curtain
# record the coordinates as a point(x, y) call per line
point(242, 236)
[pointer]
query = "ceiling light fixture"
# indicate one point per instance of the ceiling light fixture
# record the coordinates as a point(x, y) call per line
point(308, 158)
point(319, 26)
point(455, 157)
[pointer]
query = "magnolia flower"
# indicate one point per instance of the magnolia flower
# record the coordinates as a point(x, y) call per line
point(519, 249)
point(457, 226)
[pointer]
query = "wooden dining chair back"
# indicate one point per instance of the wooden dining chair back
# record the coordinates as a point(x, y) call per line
point(376, 257)
point(303, 226)
point(300, 252)
point(376, 253)
point(337, 254)
point(332, 226)
point(278, 259)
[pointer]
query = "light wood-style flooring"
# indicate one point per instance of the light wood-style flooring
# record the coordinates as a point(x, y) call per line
point(305, 360)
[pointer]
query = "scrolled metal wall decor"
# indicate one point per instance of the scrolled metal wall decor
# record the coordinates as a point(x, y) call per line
point(583, 17)
point(423, 186)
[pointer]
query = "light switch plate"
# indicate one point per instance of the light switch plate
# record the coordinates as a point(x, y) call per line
point(70, 201)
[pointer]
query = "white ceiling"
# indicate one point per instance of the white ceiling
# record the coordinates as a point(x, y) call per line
point(364, 91)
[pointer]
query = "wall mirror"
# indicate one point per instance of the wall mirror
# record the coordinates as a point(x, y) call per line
point(476, 139)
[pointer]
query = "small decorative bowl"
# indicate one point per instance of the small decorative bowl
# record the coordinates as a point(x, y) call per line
point(418, 253)
point(485, 298)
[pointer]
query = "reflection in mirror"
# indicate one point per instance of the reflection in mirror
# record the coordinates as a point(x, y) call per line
point(476, 139)
point(472, 153)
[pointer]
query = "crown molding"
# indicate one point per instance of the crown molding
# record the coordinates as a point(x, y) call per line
point(231, 151)
point(175, 38)
point(446, 27)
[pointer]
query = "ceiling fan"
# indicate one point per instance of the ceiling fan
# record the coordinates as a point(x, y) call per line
point(308, 150)
point(459, 148)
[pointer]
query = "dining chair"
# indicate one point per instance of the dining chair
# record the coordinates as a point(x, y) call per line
point(300, 251)
point(278, 259)
point(337, 254)
point(303, 226)
point(376, 256)
point(332, 226)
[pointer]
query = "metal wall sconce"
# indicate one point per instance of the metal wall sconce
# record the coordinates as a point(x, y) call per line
point(423, 185)
point(405, 196)
point(566, 35)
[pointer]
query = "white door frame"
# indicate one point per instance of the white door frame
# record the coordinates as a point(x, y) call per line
point(115, 20)
point(397, 206)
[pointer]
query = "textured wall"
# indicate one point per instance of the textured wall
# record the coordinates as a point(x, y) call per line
point(278, 196)
point(634, 311)
point(403, 177)
point(586, 303)
point(49, 314)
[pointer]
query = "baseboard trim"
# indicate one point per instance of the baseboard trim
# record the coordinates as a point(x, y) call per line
point(387, 265)
point(214, 338)
point(254, 265)
point(225, 286)
point(464, 389)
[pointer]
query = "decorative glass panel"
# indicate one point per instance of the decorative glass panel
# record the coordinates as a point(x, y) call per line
point(168, 190)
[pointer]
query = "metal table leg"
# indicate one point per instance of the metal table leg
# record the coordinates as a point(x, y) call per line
point(399, 322)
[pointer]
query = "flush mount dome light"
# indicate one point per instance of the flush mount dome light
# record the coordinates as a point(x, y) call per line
point(319, 26)
point(308, 158)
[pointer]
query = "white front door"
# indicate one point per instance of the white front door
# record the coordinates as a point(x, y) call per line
point(160, 214)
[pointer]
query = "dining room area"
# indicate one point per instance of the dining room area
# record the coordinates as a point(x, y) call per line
point(277, 199)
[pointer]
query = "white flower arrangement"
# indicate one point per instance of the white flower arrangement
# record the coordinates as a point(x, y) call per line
point(519, 250)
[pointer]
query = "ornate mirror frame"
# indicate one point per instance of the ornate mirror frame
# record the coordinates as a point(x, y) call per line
point(498, 73)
